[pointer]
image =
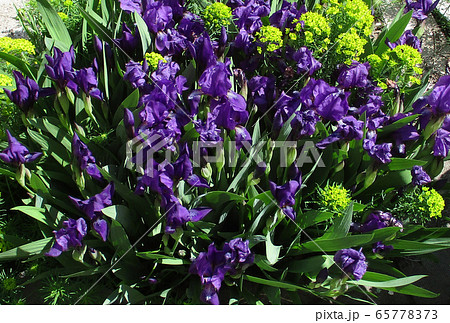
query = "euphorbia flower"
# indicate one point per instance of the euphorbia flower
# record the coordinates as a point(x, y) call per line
point(69, 236)
point(85, 159)
point(352, 262)
point(26, 93)
point(16, 153)
point(93, 207)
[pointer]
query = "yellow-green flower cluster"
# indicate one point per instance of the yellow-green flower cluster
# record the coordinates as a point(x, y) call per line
point(271, 37)
point(5, 80)
point(315, 26)
point(350, 46)
point(432, 202)
point(63, 16)
point(153, 60)
point(68, 3)
point(16, 46)
point(334, 198)
point(354, 13)
point(406, 56)
point(217, 15)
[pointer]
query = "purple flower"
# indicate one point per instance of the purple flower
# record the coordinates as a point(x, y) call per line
point(380, 152)
point(354, 75)
point(69, 236)
point(248, 16)
point(202, 51)
point(441, 143)
point(230, 110)
point(158, 16)
point(421, 8)
point(306, 63)
point(284, 17)
point(349, 128)
point(419, 176)
point(178, 215)
point(377, 220)
point(59, 68)
point(84, 157)
point(242, 135)
point(238, 253)
point(131, 6)
point(86, 79)
point(408, 38)
point(215, 80)
point(93, 207)
point(352, 262)
point(170, 42)
point(16, 153)
point(128, 122)
point(304, 123)
point(136, 73)
point(285, 196)
point(191, 26)
point(380, 247)
point(439, 98)
point(262, 89)
point(128, 42)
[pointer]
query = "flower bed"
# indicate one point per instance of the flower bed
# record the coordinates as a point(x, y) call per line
point(181, 153)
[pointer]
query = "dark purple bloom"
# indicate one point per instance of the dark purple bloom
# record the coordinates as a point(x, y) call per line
point(244, 41)
point(170, 42)
point(131, 6)
point(191, 26)
point(69, 236)
point(158, 16)
point(285, 196)
point(16, 153)
point(178, 215)
point(128, 122)
point(352, 262)
point(26, 93)
point(441, 143)
point(249, 15)
point(349, 128)
point(93, 207)
point(238, 252)
point(136, 73)
point(85, 159)
point(408, 38)
point(262, 89)
point(128, 42)
point(230, 110)
point(380, 247)
point(202, 51)
point(419, 176)
point(380, 152)
point(304, 123)
point(284, 17)
point(59, 68)
point(306, 63)
point(377, 220)
point(421, 8)
point(86, 79)
point(439, 98)
point(215, 80)
point(242, 135)
point(354, 75)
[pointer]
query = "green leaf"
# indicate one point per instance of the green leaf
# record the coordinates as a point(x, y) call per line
point(312, 217)
point(272, 251)
point(34, 212)
point(311, 264)
point(341, 225)
point(121, 214)
point(7, 173)
point(96, 23)
point(394, 32)
point(23, 66)
point(262, 263)
point(396, 125)
point(385, 281)
point(272, 283)
point(119, 238)
point(218, 198)
point(143, 33)
point(54, 25)
point(30, 249)
point(403, 163)
point(130, 102)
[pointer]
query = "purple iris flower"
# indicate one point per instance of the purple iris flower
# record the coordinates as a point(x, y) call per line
point(352, 262)
point(128, 122)
point(263, 91)
point(380, 247)
point(421, 8)
point(191, 26)
point(285, 196)
point(158, 16)
point(85, 159)
point(242, 135)
point(93, 207)
point(249, 15)
point(329, 102)
point(304, 123)
point(26, 93)
point(376, 220)
point(128, 42)
point(230, 110)
point(441, 146)
point(380, 152)
point(306, 63)
point(59, 68)
point(202, 51)
point(136, 73)
point(70, 236)
point(178, 215)
point(86, 79)
point(213, 265)
point(354, 75)
point(284, 17)
point(215, 80)
point(419, 176)
point(439, 98)
point(170, 42)
point(183, 169)
point(131, 6)
point(349, 128)
point(244, 41)
point(16, 153)
point(408, 38)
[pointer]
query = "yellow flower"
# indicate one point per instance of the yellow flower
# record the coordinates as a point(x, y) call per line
point(217, 15)
point(153, 60)
point(334, 198)
point(271, 36)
